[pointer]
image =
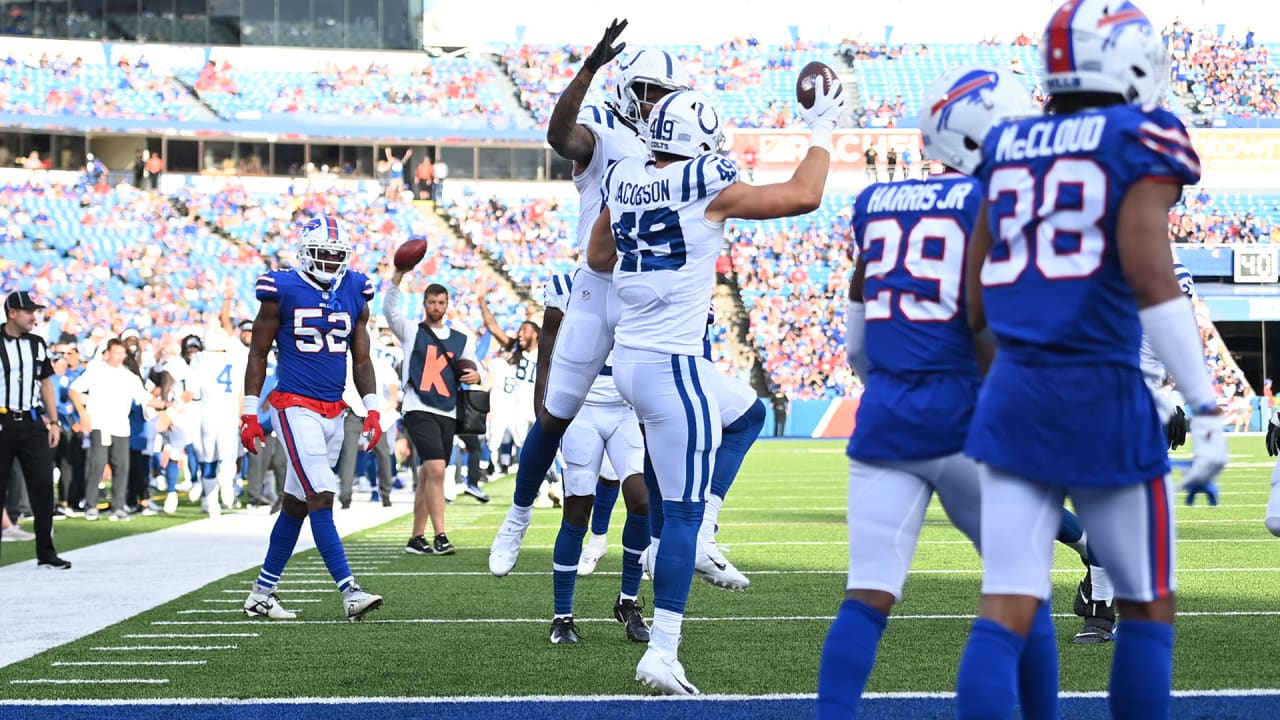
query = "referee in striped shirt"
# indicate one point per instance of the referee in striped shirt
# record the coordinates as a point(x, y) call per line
point(28, 418)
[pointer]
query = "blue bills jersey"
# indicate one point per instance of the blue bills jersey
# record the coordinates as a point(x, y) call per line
point(315, 330)
point(1057, 299)
point(924, 373)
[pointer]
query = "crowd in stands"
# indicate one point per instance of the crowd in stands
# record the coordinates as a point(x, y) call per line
point(58, 85)
point(1201, 218)
point(1223, 75)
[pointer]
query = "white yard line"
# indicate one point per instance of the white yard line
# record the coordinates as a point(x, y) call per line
point(36, 602)
point(170, 636)
point(92, 681)
point(114, 663)
point(161, 648)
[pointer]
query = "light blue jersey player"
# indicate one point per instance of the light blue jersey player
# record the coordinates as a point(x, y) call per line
point(1068, 267)
point(909, 340)
point(315, 315)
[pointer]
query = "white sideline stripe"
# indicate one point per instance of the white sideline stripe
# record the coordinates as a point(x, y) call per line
point(292, 591)
point(240, 539)
point(840, 571)
point(235, 601)
point(210, 611)
point(135, 648)
point(727, 547)
point(88, 663)
point(190, 635)
point(93, 681)
point(482, 700)
point(745, 618)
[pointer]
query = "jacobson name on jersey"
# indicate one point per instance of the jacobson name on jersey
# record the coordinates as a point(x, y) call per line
point(667, 249)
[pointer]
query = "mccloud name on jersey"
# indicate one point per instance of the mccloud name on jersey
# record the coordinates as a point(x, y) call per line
point(1053, 136)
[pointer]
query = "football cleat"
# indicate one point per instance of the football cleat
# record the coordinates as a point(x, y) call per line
point(267, 606)
point(506, 546)
point(664, 673)
point(1097, 630)
point(597, 547)
point(630, 613)
point(563, 631)
point(711, 565)
point(360, 603)
point(171, 503)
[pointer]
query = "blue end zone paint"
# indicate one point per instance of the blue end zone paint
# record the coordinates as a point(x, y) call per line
point(926, 708)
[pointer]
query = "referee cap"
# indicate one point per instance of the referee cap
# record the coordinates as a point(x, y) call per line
point(21, 300)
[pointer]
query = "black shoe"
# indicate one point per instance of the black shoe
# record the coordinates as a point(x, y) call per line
point(441, 546)
point(386, 501)
point(628, 612)
point(54, 563)
point(417, 545)
point(1097, 630)
point(346, 504)
point(475, 492)
point(563, 631)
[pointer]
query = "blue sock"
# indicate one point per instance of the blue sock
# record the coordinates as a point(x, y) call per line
point(565, 565)
point(655, 498)
point(847, 658)
point(1038, 669)
point(1142, 670)
point(635, 538)
point(330, 547)
point(284, 535)
point(536, 458)
point(171, 475)
point(193, 464)
point(606, 498)
point(673, 568)
point(987, 682)
point(734, 444)
point(1070, 532)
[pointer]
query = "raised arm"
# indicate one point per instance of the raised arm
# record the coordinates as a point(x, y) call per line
point(490, 322)
point(569, 139)
point(224, 315)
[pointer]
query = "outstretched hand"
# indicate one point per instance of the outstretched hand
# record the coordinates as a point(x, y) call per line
point(605, 50)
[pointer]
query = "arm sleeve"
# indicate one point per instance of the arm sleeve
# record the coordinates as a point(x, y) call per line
point(44, 366)
point(84, 383)
point(1160, 148)
point(265, 289)
point(399, 324)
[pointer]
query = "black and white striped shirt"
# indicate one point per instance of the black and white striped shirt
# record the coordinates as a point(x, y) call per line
point(25, 362)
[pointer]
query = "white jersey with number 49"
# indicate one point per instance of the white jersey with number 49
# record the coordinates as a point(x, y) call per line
point(667, 249)
point(614, 140)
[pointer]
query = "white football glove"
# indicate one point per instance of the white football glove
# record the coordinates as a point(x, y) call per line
point(1209, 455)
point(828, 103)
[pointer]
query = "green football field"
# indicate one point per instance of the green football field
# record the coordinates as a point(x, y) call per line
point(449, 628)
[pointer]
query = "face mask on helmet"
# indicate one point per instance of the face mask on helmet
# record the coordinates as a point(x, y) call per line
point(324, 249)
point(962, 106)
point(1101, 46)
point(643, 80)
point(686, 124)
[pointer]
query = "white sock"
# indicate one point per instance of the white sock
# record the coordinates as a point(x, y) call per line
point(710, 516)
point(1102, 590)
point(665, 634)
point(624, 596)
point(521, 515)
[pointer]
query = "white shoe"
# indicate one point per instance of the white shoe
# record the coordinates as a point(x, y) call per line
point(197, 490)
point(214, 508)
point(506, 546)
point(664, 673)
point(597, 547)
point(171, 503)
point(359, 603)
point(267, 606)
point(13, 533)
point(712, 566)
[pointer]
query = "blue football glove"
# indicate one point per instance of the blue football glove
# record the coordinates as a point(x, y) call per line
point(1210, 490)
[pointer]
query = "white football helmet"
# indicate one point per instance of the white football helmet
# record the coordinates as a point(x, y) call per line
point(1104, 46)
point(324, 248)
point(685, 123)
point(960, 107)
point(644, 68)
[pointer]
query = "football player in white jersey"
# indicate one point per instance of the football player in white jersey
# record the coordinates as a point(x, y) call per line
point(593, 138)
point(515, 373)
point(604, 431)
point(222, 387)
point(660, 234)
point(188, 409)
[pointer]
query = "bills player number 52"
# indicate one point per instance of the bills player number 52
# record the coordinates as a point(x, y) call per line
point(311, 339)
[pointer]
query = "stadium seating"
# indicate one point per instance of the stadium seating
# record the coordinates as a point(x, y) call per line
point(61, 86)
point(1202, 217)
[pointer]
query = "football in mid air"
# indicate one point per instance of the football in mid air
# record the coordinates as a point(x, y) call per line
point(807, 83)
point(410, 254)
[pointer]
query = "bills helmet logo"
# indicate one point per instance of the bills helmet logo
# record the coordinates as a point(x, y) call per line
point(968, 89)
point(1126, 15)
